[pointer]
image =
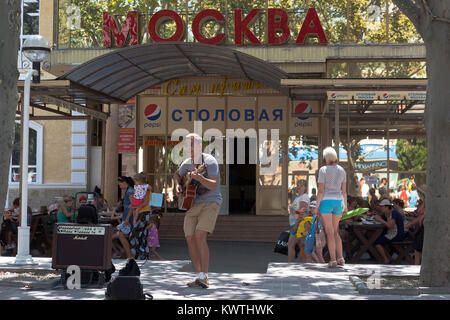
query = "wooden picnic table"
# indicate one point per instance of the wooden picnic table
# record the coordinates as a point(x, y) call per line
point(367, 234)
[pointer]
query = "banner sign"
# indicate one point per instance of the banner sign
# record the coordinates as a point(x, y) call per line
point(127, 140)
point(127, 127)
point(377, 95)
point(371, 165)
point(371, 179)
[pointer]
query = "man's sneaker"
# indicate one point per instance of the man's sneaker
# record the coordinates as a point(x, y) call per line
point(193, 284)
point(204, 283)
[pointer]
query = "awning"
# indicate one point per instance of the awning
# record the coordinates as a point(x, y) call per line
point(126, 72)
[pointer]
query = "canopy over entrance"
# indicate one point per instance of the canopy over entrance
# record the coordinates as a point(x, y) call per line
point(126, 72)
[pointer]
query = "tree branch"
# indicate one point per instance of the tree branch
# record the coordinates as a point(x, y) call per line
point(433, 17)
point(362, 157)
point(411, 10)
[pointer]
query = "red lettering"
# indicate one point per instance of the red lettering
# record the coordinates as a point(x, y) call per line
point(241, 26)
point(278, 31)
point(159, 18)
point(273, 25)
point(311, 25)
point(203, 17)
point(130, 26)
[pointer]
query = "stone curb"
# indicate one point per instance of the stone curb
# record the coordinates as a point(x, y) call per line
point(49, 284)
point(33, 285)
point(362, 288)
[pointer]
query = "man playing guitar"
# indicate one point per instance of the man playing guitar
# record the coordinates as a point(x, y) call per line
point(200, 219)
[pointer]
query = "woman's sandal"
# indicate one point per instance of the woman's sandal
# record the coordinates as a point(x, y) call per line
point(341, 261)
point(332, 264)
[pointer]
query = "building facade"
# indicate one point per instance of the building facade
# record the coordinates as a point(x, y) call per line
point(308, 115)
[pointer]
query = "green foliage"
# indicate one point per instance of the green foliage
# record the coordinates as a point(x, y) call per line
point(412, 154)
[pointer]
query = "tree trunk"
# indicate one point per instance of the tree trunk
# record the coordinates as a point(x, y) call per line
point(9, 47)
point(432, 20)
point(435, 269)
point(353, 185)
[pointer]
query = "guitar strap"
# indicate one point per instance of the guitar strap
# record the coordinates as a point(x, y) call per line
point(200, 189)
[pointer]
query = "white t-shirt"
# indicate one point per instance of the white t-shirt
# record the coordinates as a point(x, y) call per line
point(295, 205)
point(365, 190)
point(332, 177)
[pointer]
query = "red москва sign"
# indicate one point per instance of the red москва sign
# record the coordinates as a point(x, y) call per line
point(277, 22)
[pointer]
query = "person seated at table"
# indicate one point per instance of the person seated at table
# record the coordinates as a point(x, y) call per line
point(11, 222)
point(418, 237)
point(383, 193)
point(394, 223)
point(352, 203)
point(9, 230)
point(102, 204)
point(373, 198)
point(82, 200)
point(399, 205)
point(420, 208)
point(66, 210)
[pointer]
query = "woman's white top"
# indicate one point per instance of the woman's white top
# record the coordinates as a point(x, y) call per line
point(295, 205)
point(333, 177)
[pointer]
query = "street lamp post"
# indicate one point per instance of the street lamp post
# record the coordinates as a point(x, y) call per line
point(36, 49)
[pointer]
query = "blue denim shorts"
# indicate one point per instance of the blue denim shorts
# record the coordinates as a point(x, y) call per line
point(331, 206)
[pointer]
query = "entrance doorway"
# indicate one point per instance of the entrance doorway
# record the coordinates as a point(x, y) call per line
point(242, 183)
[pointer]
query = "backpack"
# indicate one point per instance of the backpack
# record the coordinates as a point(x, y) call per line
point(310, 241)
point(130, 269)
point(127, 286)
point(87, 214)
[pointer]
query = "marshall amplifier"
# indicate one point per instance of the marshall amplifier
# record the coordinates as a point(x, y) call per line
point(84, 245)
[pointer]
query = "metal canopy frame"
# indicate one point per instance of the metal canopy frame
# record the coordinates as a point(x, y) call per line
point(402, 118)
point(61, 98)
point(126, 72)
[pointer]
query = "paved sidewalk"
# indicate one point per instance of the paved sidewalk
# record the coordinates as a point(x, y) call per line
point(166, 280)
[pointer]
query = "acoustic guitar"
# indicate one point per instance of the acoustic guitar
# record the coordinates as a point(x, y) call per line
point(189, 190)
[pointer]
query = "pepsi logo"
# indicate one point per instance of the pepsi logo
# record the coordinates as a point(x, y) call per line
point(333, 95)
point(385, 95)
point(152, 112)
point(303, 108)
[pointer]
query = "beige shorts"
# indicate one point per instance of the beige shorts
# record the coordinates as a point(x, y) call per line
point(201, 216)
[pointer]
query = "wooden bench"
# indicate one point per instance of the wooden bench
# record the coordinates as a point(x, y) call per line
point(403, 249)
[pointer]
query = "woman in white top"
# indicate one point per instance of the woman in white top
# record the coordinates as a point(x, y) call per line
point(301, 202)
point(331, 204)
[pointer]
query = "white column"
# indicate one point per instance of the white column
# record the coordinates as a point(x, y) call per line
point(23, 256)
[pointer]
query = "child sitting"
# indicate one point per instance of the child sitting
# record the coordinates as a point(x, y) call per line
point(152, 238)
point(320, 240)
point(141, 191)
point(303, 229)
